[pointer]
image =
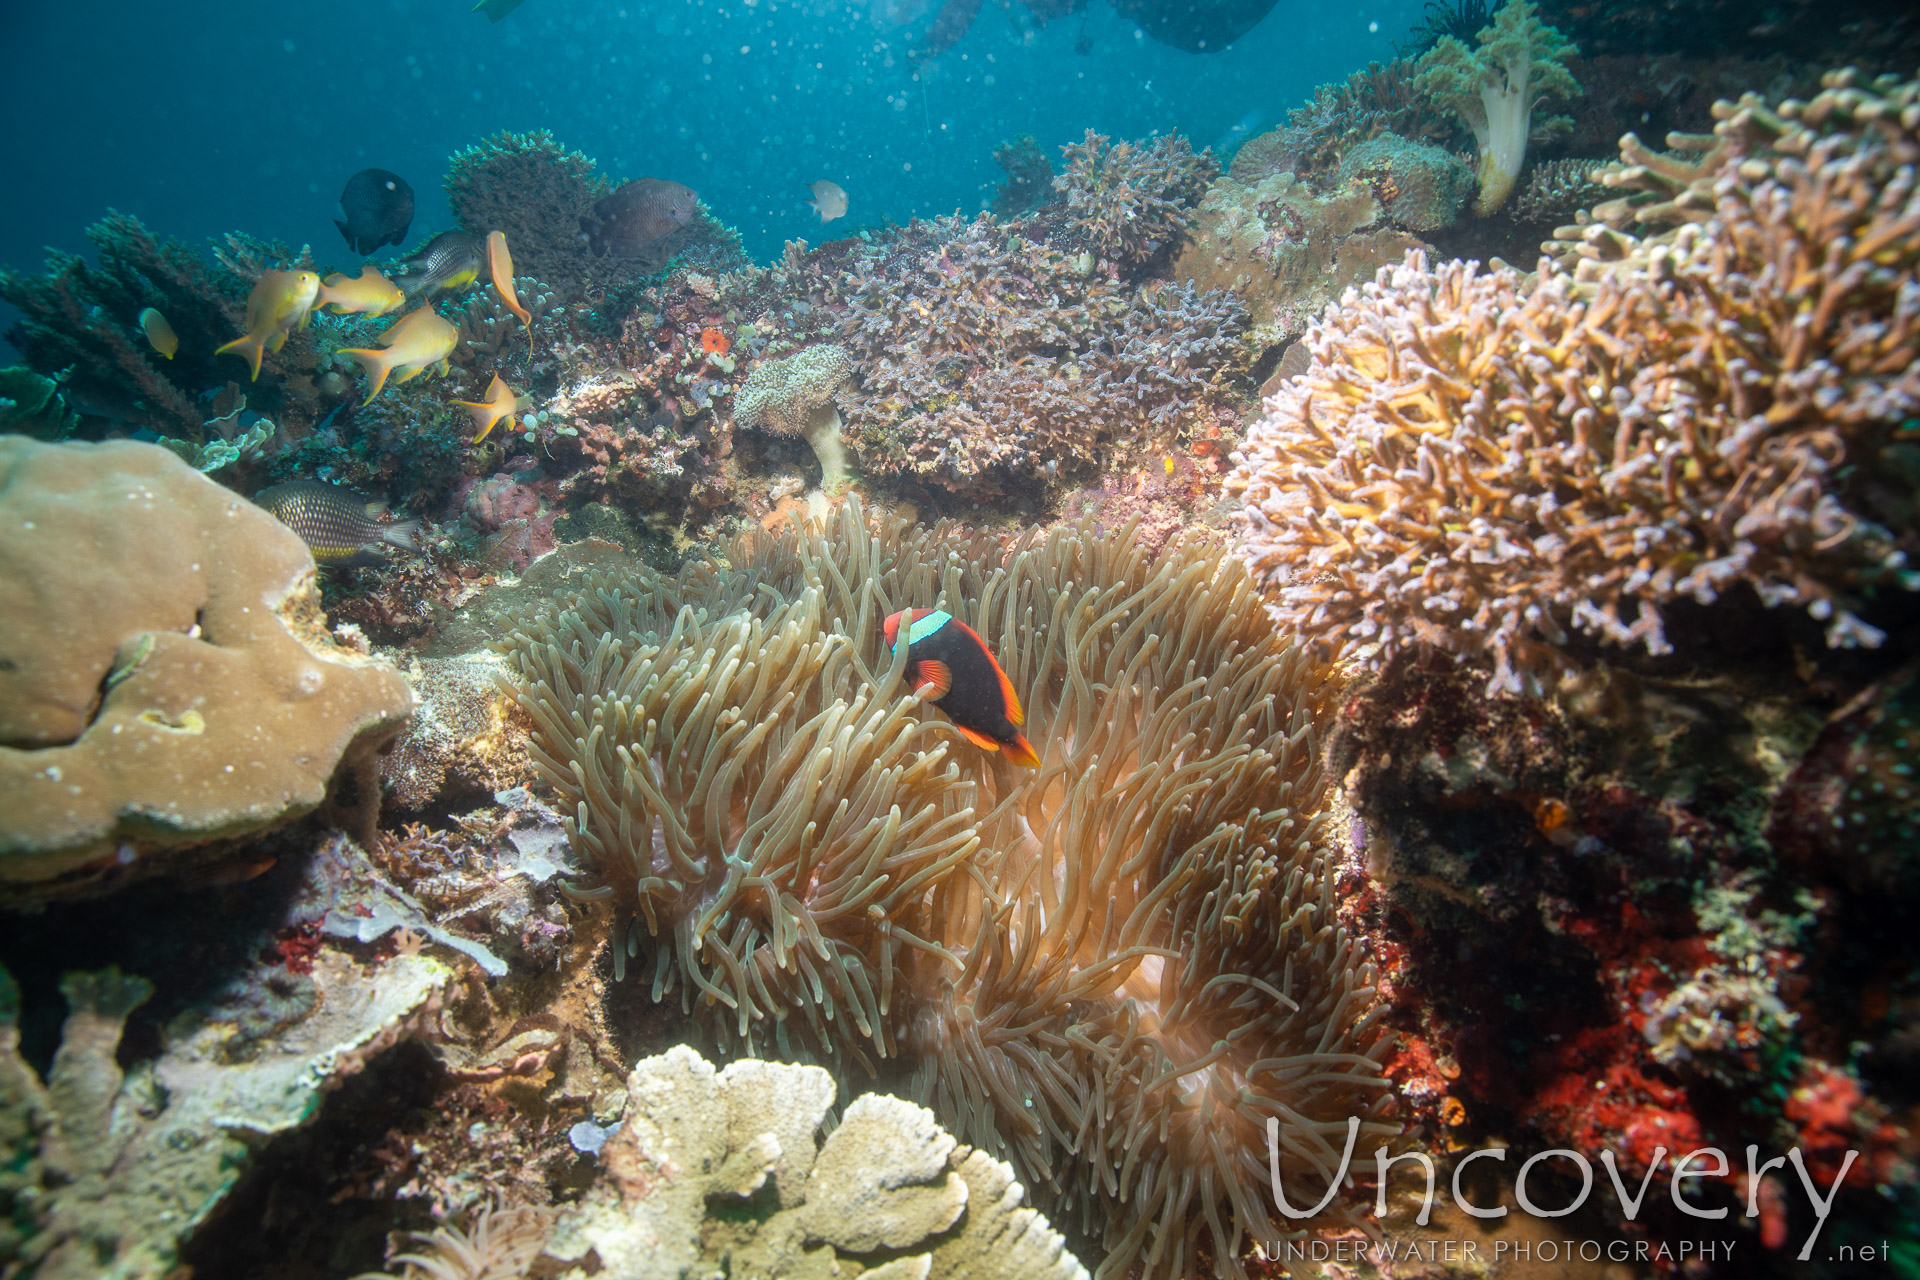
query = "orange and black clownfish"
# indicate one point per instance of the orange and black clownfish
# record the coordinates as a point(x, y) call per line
point(946, 654)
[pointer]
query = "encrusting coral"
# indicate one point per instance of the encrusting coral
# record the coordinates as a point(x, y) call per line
point(1113, 969)
point(794, 397)
point(1420, 188)
point(1131, 201)
point(1496, 88)
point(1473, 469)
point(1316, 138)
point(168, 681)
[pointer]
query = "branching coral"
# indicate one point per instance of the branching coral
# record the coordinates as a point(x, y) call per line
point(986, 360)
point(1113, 969)
point(1471, 470)
point(795, 397)
point(1131, 201)
point(1495, 89)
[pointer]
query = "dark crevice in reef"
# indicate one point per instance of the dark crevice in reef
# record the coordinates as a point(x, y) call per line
point(301, 1212)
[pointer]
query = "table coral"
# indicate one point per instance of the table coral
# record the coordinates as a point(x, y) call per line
point(169, 679)
point(795, 397)
point(1111, 969)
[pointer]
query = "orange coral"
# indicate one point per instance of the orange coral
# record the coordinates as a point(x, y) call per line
point(714, 342)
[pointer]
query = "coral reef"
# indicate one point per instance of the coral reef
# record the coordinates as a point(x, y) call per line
point(1112, 926)
point(1130, 201)
point(124, 1164)
point(1420, 188)
point(795, 397)
point(712, 1168)
point(1496, 87)
point(30, 404)
point(154, 648)
point(1011, 362)
point(1286, 251)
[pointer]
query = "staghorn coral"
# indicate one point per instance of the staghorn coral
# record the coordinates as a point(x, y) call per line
point(1132, 201)
point(169, 681)
point(1112, 970)
point(1495, 89)
point(1420, 188)
point(1470, 470)
point(795, 397)
point(713, 1171)
point(1007, 362)
point(535, 191)
point(1285, 251)
point(1379, 99)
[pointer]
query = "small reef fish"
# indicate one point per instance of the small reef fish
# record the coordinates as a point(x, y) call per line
point(339, 526)
point(829, 200)
point(367, 294)
point(160, 334)
point(279, 305)
point(500, 403)
point(409, 347)
point(451, 260)
point(379, 209)
point(635, 215)
point(500, 266)
point(946, 655)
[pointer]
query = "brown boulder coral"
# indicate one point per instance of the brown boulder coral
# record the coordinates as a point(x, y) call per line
point(166, 677)
point(1112, 970)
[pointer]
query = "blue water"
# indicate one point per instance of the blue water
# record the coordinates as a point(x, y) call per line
point(203, 116)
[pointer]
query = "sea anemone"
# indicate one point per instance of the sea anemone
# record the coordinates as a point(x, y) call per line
point(1113, 969)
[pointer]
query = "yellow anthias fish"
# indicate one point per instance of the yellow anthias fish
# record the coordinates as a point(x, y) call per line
point(280, 303)
point(500, 263)
point(160, 334)
point(368, 294)
point(500, 403)
point(410, 346)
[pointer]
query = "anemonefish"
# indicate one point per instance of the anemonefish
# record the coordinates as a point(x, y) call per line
point(946, 655)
